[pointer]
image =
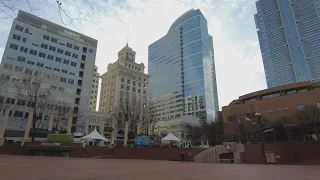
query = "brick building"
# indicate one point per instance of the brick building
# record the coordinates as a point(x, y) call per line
point(288, 102)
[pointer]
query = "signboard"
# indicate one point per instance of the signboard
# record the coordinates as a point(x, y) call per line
point(276, 110)
point(90, 50)
point(227, 147)
point(142, 141)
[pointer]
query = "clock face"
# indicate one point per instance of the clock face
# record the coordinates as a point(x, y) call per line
point(130, 56)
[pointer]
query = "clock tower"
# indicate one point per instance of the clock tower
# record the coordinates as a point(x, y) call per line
point(126, 54)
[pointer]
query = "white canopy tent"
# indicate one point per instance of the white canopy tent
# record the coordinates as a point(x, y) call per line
point(170, 137)
point(94, 135)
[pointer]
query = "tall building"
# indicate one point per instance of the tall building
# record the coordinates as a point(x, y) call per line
point(182, 69)
point(289, 33)
point(64, 59)
point(94, 90)
point(123, 77)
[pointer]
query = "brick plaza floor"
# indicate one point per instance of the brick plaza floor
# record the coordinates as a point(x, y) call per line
point(55, 168)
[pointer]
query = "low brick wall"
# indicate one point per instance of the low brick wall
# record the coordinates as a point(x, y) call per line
point(14, 149)
point(150, 153)
point(307, 152)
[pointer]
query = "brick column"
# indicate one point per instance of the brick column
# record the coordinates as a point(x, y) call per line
point(28, 126)
point(114, 132)
point(51, 116)
point(70, 116)
point(86, 129)
point(126, 131)
point(7, 110)
point(102, 122)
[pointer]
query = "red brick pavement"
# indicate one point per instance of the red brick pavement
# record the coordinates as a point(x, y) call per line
point(55, 168)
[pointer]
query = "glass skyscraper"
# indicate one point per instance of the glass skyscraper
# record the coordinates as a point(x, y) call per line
point(289, 36)
point(182, 69)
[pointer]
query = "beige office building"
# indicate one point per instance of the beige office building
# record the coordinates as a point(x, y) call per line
point(94, 90)
point(122, 76)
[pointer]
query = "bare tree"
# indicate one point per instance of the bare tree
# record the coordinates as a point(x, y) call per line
point(3, 88)
point(148, 116)
point(310, 115)
point(61, 116)
point(8, 9)
point(32, 92)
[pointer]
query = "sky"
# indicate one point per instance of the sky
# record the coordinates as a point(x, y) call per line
point(239, 67)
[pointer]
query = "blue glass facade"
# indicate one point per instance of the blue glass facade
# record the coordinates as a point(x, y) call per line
point(289, 36)
point(182, 62)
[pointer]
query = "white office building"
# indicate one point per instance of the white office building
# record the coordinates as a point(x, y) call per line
point(64, 59)
point(94, 90)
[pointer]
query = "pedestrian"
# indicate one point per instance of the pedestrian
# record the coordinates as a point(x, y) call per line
point(190, 156)
point(182, 156)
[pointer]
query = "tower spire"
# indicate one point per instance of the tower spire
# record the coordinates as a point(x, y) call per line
point(128, 36)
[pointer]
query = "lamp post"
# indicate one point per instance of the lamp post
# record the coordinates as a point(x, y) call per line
point(258, 115)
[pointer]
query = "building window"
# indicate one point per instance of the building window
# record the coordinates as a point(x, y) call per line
point(128, 88)
point(41, 54)
point(52, 48)
point(134, 89)
point(139, 90)
point(69, 45)
point(33, 52)
point(13, 46)
point(67, 53)
point(58, 59)
point(122, 86)
point(76, 47)
point(44, 46)
point(66, 61)
point(46, 37)
point(24, 39)
point(23, 49)
point(128, 81)
point(60, 51)
point(50, 57)
point(16, 37)
point(300, 108)
point(139, 84)
point(64, 71)
point(21, 59)
point(84, 49)
point(39, 64)
point(75, 55)
point(122, 79)
point(19, 28)
point(26, 30)
point(30, 62)
point(62, 79)
point(54, 40)
point(74, 64)
point(83, 57)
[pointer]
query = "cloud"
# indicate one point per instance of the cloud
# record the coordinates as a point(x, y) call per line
point(238, 60)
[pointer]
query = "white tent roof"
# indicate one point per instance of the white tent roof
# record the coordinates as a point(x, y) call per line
point(94, 135)
point(170, 137)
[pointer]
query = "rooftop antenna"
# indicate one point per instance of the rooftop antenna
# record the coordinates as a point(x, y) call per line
point(128, 35)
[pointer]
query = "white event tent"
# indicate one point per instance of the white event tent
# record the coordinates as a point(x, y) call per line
point(170, 137)
point(94, 135)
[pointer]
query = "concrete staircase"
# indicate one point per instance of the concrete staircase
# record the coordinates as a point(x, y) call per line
point(206, 156)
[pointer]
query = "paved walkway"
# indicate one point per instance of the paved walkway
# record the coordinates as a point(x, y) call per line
point(54, 168)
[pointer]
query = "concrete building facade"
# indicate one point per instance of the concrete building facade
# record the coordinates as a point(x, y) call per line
point(62, 58)
point(124, 78)
point(94, 90)
point(289, 102)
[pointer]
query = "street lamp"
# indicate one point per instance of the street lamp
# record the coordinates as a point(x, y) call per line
point(258, 115)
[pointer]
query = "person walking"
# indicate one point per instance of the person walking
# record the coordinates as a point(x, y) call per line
point(190, 156)
point(182, 156)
